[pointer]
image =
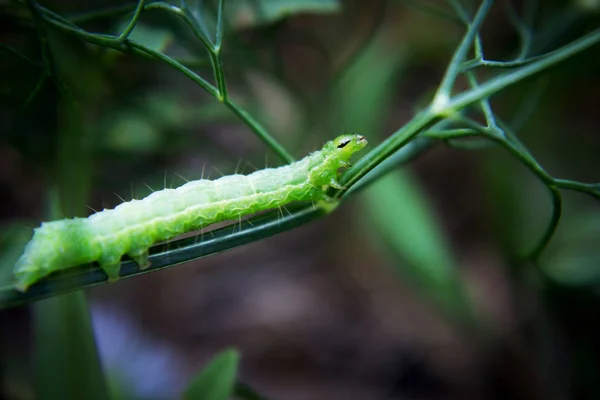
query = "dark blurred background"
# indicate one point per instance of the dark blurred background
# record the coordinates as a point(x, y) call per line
point(340, 308)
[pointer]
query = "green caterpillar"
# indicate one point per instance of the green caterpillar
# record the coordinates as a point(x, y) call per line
point(132, 227)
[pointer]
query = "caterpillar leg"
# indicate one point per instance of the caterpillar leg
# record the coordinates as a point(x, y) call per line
point(112, 267)
point(141, 259)
point(328, 204)
point(336, 185)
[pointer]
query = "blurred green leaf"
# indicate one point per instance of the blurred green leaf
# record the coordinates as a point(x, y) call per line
point(67, 363)
point(155, 119)
point(403, 219)
point(364, 92)
point(12, 242)
point(131, 132)
point(575, 260)
point(217, 380)
point(247, 13)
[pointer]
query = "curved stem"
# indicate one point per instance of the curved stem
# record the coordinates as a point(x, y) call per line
point(552, 225)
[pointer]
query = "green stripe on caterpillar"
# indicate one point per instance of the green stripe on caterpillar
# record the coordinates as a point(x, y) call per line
point(132, 227)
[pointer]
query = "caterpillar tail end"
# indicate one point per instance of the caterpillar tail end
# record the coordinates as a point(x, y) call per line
point(21, 287)
point(25, 277)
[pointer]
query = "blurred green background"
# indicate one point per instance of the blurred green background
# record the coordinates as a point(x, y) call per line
point(412, 290)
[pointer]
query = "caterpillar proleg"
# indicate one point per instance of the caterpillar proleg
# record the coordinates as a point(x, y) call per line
point(133, 226)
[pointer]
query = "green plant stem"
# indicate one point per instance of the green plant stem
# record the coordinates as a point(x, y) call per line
point(483, 103)
point(522, 26)
point(444, 134)
point(217, 62)
point(406, 154)
point(592, 189)
point(136, 15)
point(259, 130)
point(393, 143)
point(476, 63)
point(220, 26)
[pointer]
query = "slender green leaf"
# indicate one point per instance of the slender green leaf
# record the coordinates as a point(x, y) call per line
point(12, 242)
point(67, 363)
point(372, 79)
point(574, 260)
point(401, 215)
point(217, 380)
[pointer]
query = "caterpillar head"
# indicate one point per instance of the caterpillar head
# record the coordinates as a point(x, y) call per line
point(335, 155)
point(344, 146)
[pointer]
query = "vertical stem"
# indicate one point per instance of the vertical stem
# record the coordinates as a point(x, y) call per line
point(217, 66)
